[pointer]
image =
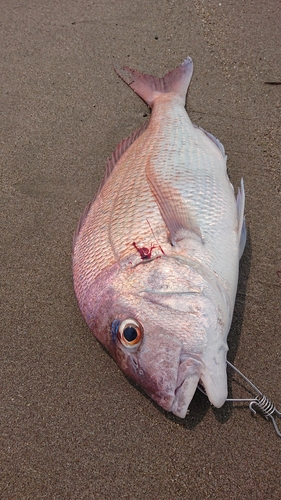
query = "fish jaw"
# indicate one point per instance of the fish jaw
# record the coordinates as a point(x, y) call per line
point(214, 376)
point(188, 377)
point(211, 374)
point(191, 371)
point(166, 379)
point(173, 385)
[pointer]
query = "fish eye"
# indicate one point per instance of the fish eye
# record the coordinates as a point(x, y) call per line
point(130, 333)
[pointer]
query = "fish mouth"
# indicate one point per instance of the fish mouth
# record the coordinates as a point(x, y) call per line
point(189, 375)
point(210, 373)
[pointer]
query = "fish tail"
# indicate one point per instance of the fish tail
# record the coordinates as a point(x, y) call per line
point(149, 87)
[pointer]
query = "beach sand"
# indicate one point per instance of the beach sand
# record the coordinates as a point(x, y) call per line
point(72, 426)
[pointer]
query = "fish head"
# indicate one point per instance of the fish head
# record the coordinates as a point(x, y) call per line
point(156, 321)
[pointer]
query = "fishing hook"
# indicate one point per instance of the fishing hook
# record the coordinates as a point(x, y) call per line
point(260, 403)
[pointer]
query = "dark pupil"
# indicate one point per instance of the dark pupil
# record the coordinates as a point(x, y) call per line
point(130, 333)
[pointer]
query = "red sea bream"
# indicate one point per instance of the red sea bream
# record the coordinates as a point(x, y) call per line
point(156, 253)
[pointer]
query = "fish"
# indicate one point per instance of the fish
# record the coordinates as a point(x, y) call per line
point(156, 253)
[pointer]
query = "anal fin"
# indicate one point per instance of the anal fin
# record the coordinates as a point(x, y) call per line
point(213, 139)
point(242, 233)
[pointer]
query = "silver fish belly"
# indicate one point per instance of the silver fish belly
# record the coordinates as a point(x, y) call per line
point(156, 253)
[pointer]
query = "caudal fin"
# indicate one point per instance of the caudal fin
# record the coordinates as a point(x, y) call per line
point(148, 87)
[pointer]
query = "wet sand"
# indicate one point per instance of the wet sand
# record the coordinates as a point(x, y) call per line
point(72, 426)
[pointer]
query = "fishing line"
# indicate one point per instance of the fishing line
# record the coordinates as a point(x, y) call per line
point(257, 404)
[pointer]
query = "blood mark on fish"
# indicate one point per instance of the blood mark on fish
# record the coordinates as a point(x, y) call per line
point(145, 252)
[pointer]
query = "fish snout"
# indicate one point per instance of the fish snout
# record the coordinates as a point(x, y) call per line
point(156, 371)
point(171, 387)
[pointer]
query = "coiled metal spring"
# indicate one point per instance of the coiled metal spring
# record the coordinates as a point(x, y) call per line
point(266, 408)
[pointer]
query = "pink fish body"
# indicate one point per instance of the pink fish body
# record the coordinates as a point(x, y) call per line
point(156, 254)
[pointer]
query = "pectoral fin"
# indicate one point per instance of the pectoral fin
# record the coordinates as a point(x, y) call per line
point(174, 209)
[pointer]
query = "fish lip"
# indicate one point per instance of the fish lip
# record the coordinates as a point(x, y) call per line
point(187, 382)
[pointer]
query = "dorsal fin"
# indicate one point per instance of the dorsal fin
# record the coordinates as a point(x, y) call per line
point(120, 150)
point(149, 87)
point(80, 224)
point(111, 162)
